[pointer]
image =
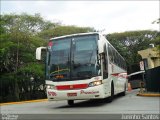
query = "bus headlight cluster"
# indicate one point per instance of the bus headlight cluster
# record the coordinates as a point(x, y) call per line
point(95, 83)
point(50, 87)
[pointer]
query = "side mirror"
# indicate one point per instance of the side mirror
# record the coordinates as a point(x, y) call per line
point(38, 52)
point(100, 47)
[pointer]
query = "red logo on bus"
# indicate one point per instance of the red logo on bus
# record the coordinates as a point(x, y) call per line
point(52, 93)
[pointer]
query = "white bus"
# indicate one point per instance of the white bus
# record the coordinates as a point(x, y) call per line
point(83, 66)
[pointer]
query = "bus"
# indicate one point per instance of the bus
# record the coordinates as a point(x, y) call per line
point(83, 66)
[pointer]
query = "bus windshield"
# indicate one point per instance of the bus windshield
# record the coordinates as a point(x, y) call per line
point(73, 58)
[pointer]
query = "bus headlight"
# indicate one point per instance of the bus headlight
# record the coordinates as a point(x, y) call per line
point(95, 83)
point(50, 87)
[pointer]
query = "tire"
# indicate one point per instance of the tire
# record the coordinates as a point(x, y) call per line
point(70, 102)
point(112, 93)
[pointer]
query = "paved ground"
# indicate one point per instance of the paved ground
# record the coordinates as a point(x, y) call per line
point(129, 104)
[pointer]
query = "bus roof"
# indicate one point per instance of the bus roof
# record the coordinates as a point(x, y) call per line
point(71, 35)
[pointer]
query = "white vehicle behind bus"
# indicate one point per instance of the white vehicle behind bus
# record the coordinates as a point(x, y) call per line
point(83, 66)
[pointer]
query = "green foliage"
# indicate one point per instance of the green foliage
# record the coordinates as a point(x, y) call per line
point(32, 69)
point(25, 23)
point(17, 52)
point(63, 30)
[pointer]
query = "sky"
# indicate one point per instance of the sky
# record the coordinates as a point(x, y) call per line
point(107, 16)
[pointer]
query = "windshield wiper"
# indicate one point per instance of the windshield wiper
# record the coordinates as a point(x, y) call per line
point(59, 70)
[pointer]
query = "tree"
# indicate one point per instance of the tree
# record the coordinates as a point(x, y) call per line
point(63, 30)
point(156, 21)
point(18, 44)
point(130, 42)
point(157, 39)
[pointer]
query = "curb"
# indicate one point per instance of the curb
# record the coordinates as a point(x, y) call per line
point(148, 94)
point(29, 101)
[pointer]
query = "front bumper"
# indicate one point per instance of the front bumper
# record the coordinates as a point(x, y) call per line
point(95, 92)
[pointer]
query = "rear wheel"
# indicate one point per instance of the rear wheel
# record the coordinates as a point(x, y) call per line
point(70, 102)
point(112, 93)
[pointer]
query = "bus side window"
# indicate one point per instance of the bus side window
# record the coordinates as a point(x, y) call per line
point(110, 55)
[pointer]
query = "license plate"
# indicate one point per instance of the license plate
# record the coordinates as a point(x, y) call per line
point(71, 94)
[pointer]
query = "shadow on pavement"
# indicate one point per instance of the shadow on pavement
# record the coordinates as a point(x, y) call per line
point(91, 103)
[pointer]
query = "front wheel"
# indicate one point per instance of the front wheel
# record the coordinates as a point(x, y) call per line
point(112, 93)
point(70, 102)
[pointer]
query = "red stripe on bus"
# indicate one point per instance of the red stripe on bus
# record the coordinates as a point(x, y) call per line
point(115, 74)
point(71, 87)
point(120, 75)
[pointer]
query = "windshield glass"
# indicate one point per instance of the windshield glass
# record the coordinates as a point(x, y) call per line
point(73, 58)
point(84, 57)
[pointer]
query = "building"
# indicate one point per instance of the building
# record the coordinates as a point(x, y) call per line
point(150, 57)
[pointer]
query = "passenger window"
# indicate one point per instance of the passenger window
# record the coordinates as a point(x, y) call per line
point(110, 53)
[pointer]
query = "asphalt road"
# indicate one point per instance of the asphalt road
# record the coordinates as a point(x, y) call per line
point(118, 109)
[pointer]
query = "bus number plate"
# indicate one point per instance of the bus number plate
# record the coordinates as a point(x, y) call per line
point(71, 94)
